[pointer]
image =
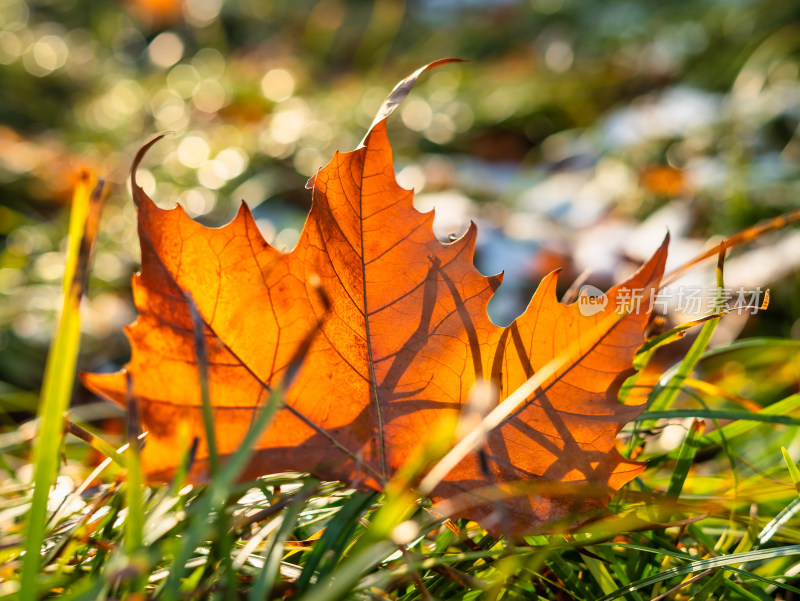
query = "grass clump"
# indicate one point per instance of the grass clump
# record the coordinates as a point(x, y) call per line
point(713, 517)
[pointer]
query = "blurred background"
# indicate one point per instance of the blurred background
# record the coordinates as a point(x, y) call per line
point(577, 135)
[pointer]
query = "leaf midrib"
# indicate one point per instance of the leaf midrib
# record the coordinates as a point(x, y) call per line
point(373, 380)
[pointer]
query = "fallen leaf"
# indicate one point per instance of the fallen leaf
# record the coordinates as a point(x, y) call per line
point(404, 338)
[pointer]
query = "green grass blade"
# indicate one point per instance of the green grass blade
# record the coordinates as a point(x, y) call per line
point(202, 372)
point(786, 514)
point(667, 390)
point(742, 427)
point(332, 542)
point(671, 384)
point(59, 377)
point(774, 413)
point(601, 573)
point(645, 353)
point(134, 486)
point(762, 343)
point(223, 541)
point(568, 575)
point(731, 414)
point(134, 523)
point(213, 501)
point(738, 589)
point(651, 345)
point(711, 586)
point(768, 581)
point(97, 443)
point(686, 456)
point(342, 581)
point(793, 471)
point(262, 587)
point(695, 565)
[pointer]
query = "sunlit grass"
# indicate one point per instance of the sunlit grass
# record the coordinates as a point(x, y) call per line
point(293, 535)
point(60, 373)
point(714, 516)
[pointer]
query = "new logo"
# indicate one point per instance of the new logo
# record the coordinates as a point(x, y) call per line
point(591, 300)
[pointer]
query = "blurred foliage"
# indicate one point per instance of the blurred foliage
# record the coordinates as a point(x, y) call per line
point(576, 134)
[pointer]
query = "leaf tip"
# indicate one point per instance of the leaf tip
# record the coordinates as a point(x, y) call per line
point(401, 91)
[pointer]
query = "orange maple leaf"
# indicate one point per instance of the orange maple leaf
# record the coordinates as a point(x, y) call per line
point(404, 337)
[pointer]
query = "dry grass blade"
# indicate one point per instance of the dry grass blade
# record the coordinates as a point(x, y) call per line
point(746, 235)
